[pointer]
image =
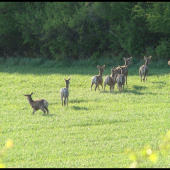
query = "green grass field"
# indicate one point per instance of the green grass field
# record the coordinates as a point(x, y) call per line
point(95, 128)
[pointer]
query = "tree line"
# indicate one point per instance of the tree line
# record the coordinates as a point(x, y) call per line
point(80, 30)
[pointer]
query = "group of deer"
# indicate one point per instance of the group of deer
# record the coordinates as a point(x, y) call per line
point(43, 104)
point(119, 75)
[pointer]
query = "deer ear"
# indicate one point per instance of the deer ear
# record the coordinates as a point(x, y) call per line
point(130, 57)
point(103, 66)
point(64, 79)
point(145, 58)
point(31, 93)
point(98, 66)
point(69, 78)
point(124, 58)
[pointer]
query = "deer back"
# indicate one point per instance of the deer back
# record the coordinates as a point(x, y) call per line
point(124, 70)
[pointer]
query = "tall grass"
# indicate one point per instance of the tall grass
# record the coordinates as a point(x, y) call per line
point(94, 129)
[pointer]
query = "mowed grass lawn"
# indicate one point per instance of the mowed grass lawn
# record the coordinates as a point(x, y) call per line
point(95, 128)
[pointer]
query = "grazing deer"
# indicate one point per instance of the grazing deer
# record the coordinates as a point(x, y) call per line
point(98, 80)
point(111, 80)
point(37, 104)
point(64, 92)
point(124, 69)
point(120, 79)
point(143, 70)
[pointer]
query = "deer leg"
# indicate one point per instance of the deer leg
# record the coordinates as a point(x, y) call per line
point(42, 108)
point(91, 86)
point(104, 86)
point(64, 102)
point(98, 86)
point(33, 111)
point(95, 87)
point(126, 80)
point(113, 87)
point(46, 109)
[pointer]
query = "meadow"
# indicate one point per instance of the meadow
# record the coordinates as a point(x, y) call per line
point(95, 128)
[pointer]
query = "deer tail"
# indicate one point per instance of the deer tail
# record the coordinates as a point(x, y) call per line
point(46, 103)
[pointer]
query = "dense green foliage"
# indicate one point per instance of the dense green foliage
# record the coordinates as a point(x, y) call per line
point(81, 30)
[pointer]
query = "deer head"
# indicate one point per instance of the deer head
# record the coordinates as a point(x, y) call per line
point(147, 60)
point(127, 61)
point(101, 69)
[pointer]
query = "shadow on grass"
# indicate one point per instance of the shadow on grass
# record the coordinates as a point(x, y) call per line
point(137, 90)
point(49, 115)
point(139, 87)
point(78, 100)
point(79, 108)
point(112, 92)
point(101, 122)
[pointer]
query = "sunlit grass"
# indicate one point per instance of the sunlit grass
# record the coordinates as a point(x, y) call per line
point(94, 129)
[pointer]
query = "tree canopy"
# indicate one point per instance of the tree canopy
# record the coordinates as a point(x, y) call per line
point(79, 30)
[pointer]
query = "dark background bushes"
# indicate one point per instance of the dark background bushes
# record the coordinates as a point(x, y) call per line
point(71, 31)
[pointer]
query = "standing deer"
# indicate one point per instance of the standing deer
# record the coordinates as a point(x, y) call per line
point(120, 79)
point(143, 70)
point(124, 69)
point(64, 92)
point(111, 80)
point(37, 104)
point(98, 80)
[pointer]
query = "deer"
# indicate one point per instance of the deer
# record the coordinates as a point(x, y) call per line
point(38, 104)
point(98, 80)
point(110, 80)
point(143, 70)
point(124, 69)
point(65, 93)
point(120, 79)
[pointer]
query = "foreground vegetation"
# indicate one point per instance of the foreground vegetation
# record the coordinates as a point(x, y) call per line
point(95, 128)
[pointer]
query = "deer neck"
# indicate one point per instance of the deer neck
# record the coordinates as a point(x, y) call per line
point(67, 85)
point(146, 64)
point(30, 100)
point(126, 64)
point(100, 73)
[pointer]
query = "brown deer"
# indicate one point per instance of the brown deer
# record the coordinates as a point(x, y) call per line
point(120, 79)
point(98, 80)
point(110, 80)
point(124, 69)
point(37, 104)
point(143, 70)
point(64, 92)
